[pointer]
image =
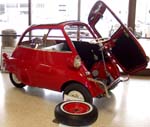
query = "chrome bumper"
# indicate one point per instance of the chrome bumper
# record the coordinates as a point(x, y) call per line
point(105, 87)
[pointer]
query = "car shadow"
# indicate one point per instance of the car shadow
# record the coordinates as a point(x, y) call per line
point(48, 95)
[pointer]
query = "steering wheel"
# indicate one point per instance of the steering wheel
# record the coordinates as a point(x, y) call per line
point(36, 42)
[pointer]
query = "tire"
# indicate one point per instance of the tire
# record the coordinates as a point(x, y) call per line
point(77, 92)
point(17, 83)
point(76, 113)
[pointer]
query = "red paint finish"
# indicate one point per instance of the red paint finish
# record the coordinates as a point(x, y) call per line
point(111, 67)
point(46, 55)
point(76, 108)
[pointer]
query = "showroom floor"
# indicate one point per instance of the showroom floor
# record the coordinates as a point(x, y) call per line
point(129, 105)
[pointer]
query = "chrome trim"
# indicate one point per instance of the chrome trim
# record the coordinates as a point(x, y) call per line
point(116, 81)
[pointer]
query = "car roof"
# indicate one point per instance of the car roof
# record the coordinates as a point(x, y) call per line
point(56, 25)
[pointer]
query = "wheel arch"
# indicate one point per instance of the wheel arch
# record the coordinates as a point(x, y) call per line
point(83, 93)
point(87, 86)
point(68, 83)
point(93, 88)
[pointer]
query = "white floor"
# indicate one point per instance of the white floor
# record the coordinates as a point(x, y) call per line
point(129, 105)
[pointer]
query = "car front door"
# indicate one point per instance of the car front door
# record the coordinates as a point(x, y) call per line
point(50, 61)
point(126, 49)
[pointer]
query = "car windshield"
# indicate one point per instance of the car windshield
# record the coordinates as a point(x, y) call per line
point(107, 25)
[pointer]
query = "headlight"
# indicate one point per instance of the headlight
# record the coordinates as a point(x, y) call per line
point(77, 62)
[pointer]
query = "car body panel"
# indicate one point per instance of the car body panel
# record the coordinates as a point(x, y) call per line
point(49, 69)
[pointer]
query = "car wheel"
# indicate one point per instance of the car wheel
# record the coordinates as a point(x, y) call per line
point(76, 113)
point(75, 91)
point(16, 82)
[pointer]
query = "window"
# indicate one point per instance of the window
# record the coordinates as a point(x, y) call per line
point(142, 23)
point(55, 41)
point(23, 9)
point(33, 38)
point(2, 9)
point(120, 7)
point(112, 25)
point(45, 40)
point(86, 6)
point(12, 16)
point(53, 11)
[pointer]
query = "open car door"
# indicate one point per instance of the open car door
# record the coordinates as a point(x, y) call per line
point(125, 48)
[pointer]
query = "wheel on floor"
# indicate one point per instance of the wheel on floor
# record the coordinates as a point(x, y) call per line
point(76, 113)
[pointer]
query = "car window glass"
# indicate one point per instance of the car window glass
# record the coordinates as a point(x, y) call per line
point(45, 40)
point(55, 41)
point(33, 38)
point(106, 31)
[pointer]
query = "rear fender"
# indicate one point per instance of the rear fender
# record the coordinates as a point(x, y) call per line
point(5, 56)
point(7, 62)
point(11, 64)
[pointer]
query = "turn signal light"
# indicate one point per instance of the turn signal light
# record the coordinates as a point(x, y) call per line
point(77, 62)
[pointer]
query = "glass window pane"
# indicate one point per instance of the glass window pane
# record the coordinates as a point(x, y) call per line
point(120, 7)
point(33, 37)
point(142, 26)
point(13, 15)
point(45, 40)
point(86, 6)
point(53, 11)
point(107, 25)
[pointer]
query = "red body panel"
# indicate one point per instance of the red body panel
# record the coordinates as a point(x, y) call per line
point(53, 61)
point(111, 68)
point(48, 70)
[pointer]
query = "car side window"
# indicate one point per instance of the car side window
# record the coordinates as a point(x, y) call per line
point(45, 40)
point(33, 38)
point(55, 41)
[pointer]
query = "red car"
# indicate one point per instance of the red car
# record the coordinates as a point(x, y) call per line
point(74, 57)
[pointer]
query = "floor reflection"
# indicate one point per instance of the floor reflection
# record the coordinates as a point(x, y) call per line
point(34, 107)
